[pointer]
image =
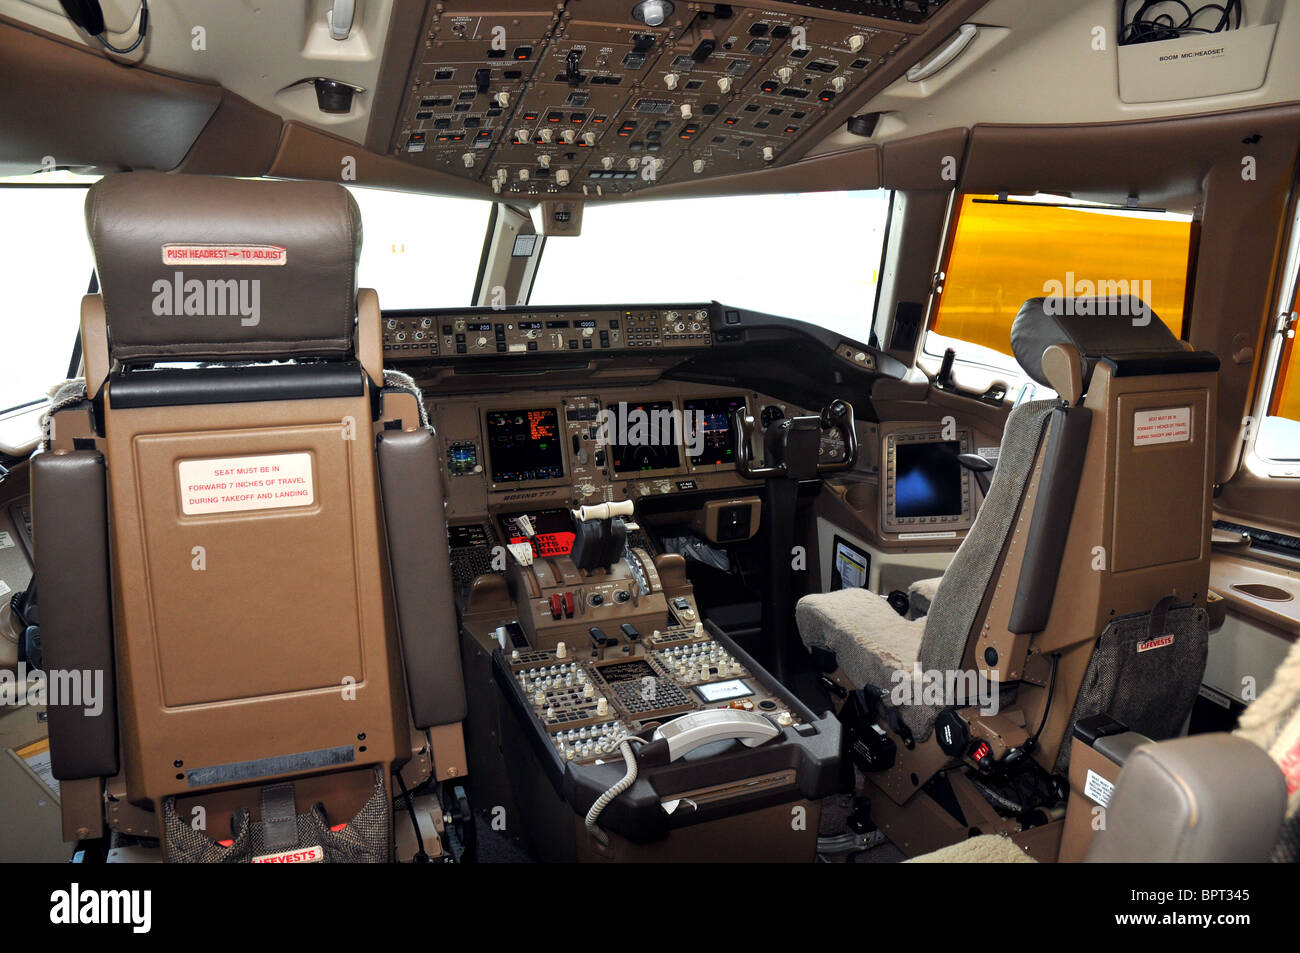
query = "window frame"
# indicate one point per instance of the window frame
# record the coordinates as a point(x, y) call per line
point(993, 369)
point(1281, 319)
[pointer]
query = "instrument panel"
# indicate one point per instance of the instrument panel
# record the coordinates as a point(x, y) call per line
point(591, 97)
point(488, 332)
point(541, 453)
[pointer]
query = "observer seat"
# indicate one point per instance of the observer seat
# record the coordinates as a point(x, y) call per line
point(255, 545)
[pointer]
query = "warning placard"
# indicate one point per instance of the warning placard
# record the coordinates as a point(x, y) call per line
point(176, 254)
point(1098, 788)
point(231, 484)
point(1168, 425)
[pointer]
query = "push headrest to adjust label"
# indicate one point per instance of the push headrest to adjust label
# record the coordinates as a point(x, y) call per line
point(231, 484)
point(224, 255)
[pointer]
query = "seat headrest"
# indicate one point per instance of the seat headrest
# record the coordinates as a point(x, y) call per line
point(1095, 327)
point(201, 267)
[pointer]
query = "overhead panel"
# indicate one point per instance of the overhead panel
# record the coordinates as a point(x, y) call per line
point(585, 98)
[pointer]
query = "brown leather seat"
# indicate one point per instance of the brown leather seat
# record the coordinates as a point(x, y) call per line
point(277, 603)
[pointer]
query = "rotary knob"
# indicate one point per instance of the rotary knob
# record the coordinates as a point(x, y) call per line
point(785, 74)
point(670, 80)
point(724, 84)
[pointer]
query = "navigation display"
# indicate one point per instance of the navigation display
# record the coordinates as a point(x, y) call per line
point(928, 481)
point(711, 430)
point(644, 437)
point(552, 529)
point(524, 445)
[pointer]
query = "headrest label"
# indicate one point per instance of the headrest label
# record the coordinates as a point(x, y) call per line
point(1167, 425)
point(224, 255)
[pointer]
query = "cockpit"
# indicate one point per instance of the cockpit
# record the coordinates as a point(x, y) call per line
point(604, 431)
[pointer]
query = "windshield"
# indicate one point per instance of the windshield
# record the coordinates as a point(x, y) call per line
point(45, 268)
point(812, 256)
point(420, 251)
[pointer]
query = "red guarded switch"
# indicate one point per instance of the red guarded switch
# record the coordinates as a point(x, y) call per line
point(568, 605)
point(557, 606)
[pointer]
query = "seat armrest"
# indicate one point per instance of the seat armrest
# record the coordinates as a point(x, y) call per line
point(1205, 799)
point(920, 595)
point(1119, 747)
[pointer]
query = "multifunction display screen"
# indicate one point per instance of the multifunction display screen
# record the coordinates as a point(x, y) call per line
point(711, 430)
point(524, 445)
point(927, 479)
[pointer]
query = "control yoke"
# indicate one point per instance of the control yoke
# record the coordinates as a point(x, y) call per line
point(792, 446)
point(796, 449)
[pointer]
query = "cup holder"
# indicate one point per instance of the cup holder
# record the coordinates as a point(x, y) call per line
point(1258, 590)
point(860, 496)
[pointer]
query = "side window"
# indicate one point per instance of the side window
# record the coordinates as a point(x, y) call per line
point(1278, 407)
point(45, 266)
point(1006, 252)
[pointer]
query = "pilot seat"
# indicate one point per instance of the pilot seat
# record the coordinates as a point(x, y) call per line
point(1080, 589)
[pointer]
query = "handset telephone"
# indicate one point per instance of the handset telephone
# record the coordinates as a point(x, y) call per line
point(694, 729)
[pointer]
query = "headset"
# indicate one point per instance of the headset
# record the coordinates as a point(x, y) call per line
point(89, 16)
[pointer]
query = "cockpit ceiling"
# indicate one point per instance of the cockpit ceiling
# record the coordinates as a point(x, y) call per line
point(588, 99)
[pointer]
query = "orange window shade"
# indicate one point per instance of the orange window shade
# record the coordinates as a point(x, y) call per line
point(1286, 392)
point(1003, 254)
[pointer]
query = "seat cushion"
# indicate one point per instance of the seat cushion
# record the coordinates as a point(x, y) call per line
point(870, 640)
point(985, 849)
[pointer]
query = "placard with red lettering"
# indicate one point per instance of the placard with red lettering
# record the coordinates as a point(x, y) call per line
point(224, 255)
point(1167, 425)
point(232, 484)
